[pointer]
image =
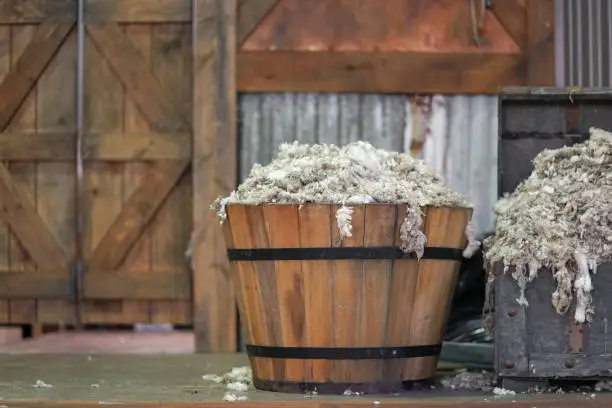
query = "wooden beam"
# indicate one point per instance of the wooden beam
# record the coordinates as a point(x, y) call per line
point(136, 146)
point(44, 284)
point(214, 170)
point(130, 66)
point(136, 214)
point(540, 51)
point(16, 86)
point(250, 14)
point(512, 16)
point(20, 214)
point(27, 146)
point(138, 11)
point(37, 11)
point(22, 146)
point(475, 73)
point(172, 285)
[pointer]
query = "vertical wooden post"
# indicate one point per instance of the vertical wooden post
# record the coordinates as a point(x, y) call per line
point(540, 51)
point(214, 170)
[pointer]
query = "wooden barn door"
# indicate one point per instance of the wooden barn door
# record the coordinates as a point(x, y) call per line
point(136, 195)
point(37, 153)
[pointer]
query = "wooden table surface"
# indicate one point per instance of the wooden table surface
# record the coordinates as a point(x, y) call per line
point(167, 380)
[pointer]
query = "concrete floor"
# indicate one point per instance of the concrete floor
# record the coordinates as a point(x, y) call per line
point(178, 378)
point(160, 367)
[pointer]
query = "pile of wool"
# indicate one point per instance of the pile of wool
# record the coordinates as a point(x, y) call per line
point(559, 219)
point(237, 379)
point(356, 173)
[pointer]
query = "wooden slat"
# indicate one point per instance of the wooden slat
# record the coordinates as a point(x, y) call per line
point(37, 11)
point(409, 72)
point(347, 280)
point(134, 172)
point(25, 146)
point(214, 170)
point(512, 16)
point(21, 215)
point(103, 183)
point(250, 14)
point(315, 224)
point(401, 295)
point(55, 180)
point(42, 284)
point(283, 225)
point(131, 68)
point(35, 58)
point(136, 146)
point(136, 214)
point(171, 63)
point(540, 51)
point(6, 58)
point(23, 174)
point(138, 11)
point(172, 285)
point(379, 230)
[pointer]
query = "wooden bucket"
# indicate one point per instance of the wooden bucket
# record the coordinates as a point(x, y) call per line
point(322, 315)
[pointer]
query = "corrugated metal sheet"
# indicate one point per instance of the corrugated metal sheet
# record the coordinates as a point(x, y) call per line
point(457, 135)
point(584, 49)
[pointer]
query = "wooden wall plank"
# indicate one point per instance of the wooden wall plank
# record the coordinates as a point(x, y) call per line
point(5, 67)
point(56, 180)
point(134, 284)
point(175, 311)
point(250, 14)
point(136, 214)
point(37, 11)
point(24, 176)
point(17, 84)
point(172, 225)
point(144, 89)
point(50, 284)
point(512, 15)
point(138, 11)
point(137, 145)
point(540, 51)
point(214, 170)
point(138, 259)
point(30, 227)
point(103, 311)
point(131, 68)
point(364, 26)
point(17, 146)
point(377, 72)
point(103, 181)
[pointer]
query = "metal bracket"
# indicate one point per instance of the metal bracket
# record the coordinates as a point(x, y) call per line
point(576, 338)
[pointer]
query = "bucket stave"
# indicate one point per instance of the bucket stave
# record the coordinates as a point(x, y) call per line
point(329, 315)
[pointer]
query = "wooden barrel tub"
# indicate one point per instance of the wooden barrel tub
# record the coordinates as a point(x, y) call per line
point(323, 315)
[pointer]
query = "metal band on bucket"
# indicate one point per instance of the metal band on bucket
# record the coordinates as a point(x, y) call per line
point(343, 353)
point(338, 253)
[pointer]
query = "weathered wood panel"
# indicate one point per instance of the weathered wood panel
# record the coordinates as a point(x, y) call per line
point(37, 234)
point(540, 48)
point(37, 11)
point(138, 211)
point(407, 46)
point(214, 170)
point(440, 26)
point(393, 72)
